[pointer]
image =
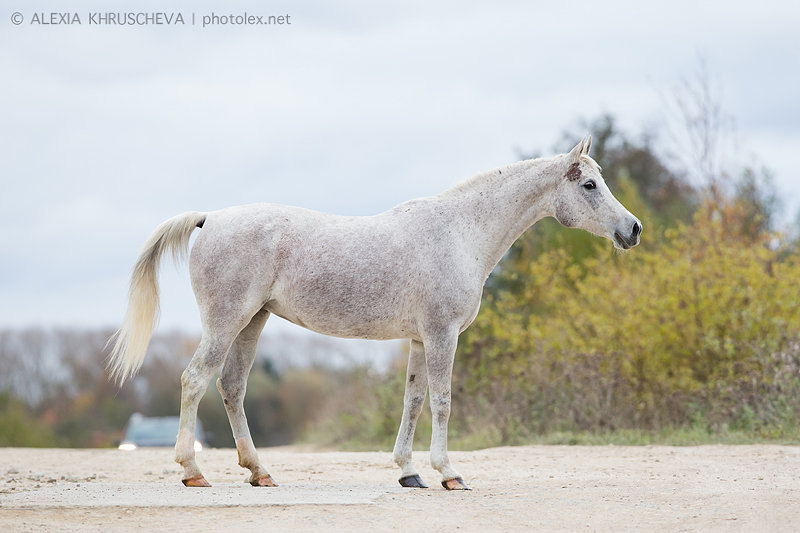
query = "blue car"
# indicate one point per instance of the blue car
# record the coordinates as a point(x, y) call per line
point(151, 431)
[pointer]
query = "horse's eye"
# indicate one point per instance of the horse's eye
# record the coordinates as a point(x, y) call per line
point(590, 185)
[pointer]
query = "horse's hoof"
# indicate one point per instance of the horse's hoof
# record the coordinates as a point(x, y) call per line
point(263, 481)
point(455, 484)
point(196, 481)
point(413, 481)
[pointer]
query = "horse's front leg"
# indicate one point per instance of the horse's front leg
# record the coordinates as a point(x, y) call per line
point(439, 354)
point(416, 388)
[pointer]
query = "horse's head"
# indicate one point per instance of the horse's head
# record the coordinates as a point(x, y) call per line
point(584, 201)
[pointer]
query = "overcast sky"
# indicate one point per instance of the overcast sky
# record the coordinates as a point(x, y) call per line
point(353, 107)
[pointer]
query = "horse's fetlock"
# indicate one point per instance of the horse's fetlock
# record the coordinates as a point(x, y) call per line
point(438, 462)
point(401, 457)
point(183, 457)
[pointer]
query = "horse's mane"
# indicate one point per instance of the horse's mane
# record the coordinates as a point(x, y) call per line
point(498, 174)
point(495, 174)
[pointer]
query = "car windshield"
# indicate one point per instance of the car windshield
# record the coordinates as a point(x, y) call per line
point(164, 429)
point(156, 431)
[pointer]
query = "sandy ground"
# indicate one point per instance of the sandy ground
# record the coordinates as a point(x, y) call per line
point(532, 488)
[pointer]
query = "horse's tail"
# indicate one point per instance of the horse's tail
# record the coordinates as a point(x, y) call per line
point(131, 340)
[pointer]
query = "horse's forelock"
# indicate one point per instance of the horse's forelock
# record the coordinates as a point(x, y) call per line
point(592, 163)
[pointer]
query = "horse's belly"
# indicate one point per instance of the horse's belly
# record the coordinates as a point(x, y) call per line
point(345, 319)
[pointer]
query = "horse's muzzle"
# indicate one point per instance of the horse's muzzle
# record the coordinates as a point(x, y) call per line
point(628, 242)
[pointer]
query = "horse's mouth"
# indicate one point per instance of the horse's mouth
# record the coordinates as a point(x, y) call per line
point(626, 243)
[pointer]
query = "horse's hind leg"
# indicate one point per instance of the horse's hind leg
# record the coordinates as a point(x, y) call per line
point(232, 384)
point(416, 387)
point(206, 360)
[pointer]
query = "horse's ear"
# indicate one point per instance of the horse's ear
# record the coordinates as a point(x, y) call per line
point(575, 153)
point(587, 144)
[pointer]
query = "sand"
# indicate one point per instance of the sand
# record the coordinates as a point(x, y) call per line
point(530, 488)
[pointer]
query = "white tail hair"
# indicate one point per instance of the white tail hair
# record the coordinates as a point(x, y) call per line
point(131, 340)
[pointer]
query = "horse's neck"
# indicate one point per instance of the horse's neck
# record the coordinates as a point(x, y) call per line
point(498, 206)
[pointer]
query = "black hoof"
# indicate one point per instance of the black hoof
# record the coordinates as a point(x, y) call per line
point(413, 481)
point(455, 484)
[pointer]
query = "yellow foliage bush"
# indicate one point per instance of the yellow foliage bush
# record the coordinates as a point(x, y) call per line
point(698, 325)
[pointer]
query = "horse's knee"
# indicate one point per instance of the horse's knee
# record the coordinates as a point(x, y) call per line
point(440, 409)
point(414, 406)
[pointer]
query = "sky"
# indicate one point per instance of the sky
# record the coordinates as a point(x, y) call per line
point(351, 108)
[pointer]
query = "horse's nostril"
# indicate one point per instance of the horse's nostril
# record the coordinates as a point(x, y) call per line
point(637, 229)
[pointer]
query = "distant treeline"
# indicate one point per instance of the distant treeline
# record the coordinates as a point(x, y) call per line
point(54, 390)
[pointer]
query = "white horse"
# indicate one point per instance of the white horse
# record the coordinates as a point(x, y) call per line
point(415, 271)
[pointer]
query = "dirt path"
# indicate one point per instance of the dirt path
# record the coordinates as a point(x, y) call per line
point(535, 488)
